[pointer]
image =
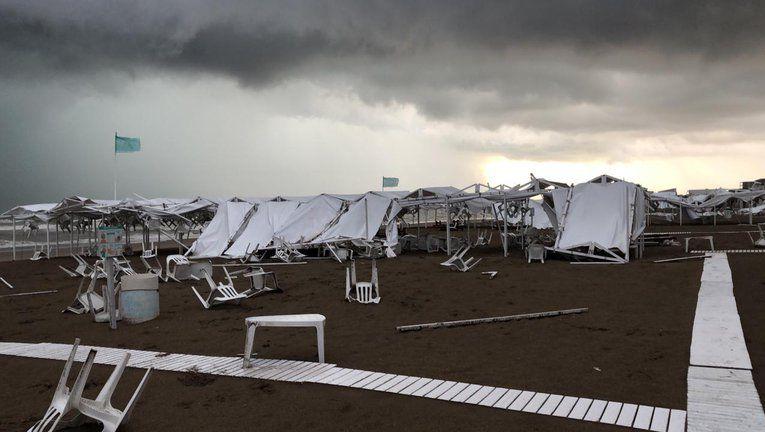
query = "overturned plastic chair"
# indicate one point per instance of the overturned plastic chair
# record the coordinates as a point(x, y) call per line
point(179, 268)
point(482, 239)
point(220, 293)
point(151, 262)
point(458, 261)
point(101, 409)
point(64, 399)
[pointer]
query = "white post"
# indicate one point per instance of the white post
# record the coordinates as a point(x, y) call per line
point(110, 300)
point(47, 239)
point(57, 245)
point(13, 241)
point(504, 222)
point(115, 166)
point(366, 218)
point(750, 211)
point(448, 228)
point(418, 223)
point(681, 214)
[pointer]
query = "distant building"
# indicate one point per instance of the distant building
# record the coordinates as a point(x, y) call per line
point(758, 184)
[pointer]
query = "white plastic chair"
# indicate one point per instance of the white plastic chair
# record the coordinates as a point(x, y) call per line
point(64, 399)
point(459, 263)
point(482, 239)
point(536, 251)
point(151, 263)
point(219, 294)
point(287, 253)
point(101, 408)
point(365, 292)
point(178, 268)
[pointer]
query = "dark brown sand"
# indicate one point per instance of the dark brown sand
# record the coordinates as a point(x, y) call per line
point(632, 346)
point(749, 289)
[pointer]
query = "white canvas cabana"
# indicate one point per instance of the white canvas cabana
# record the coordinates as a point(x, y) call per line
point(258, 233)
point(221, 230)
point(310, 219)
point(599, 216)
point(363, 219)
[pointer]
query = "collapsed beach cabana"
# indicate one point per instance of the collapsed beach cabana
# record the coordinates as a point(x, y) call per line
point(221, 230)
point(363, 219)
point(258, 230)
point(599, 220)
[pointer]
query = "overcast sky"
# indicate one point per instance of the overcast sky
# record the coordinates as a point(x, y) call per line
point(293, 98)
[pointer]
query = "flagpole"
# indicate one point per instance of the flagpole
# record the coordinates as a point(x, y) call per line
point(115, 166)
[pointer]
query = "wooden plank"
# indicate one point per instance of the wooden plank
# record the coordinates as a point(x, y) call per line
point(367, 380)
point(493, 397)
point(397, 379)
point(550, 405)
point(346, 382)
point(507, 399)
point(438, 391)
point(595, 411)
point(723, 400)
point(427, 388)
point(478, 396)
point(380, 381)
point(521, 400)
point(611, 413)
point(415, 386)
point(466, 393)
point(402, 384)
point(660, 419)
point(627, 415)
point(676, 421)
point(566, 406)
point(311, 373)
point(536, 402)
point(643, 417)
point(351, 378)
point(474, 321)
point(330, 374)
point(580, 408)
point(453, 391)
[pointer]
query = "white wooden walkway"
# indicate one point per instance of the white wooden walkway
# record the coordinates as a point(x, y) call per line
point(721, 393)
point(727, 251)
point(572, 407)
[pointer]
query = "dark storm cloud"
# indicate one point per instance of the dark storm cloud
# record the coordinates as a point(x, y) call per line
point(566, 66)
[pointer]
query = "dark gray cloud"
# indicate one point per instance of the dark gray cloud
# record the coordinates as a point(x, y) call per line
point(576, 73)
point(486, 63)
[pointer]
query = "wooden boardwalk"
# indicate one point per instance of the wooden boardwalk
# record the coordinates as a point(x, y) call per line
point(572, 407)
point(721, 393)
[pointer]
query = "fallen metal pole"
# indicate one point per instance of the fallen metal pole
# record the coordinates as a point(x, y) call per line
point(29, 293)
point(682, 258)
point(460, 323)
point(6, 282)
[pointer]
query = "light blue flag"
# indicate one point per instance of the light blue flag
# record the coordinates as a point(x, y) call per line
point(126, 144)
point(390, 182)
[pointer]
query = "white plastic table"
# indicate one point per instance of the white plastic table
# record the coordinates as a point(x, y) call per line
point(300, 320)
